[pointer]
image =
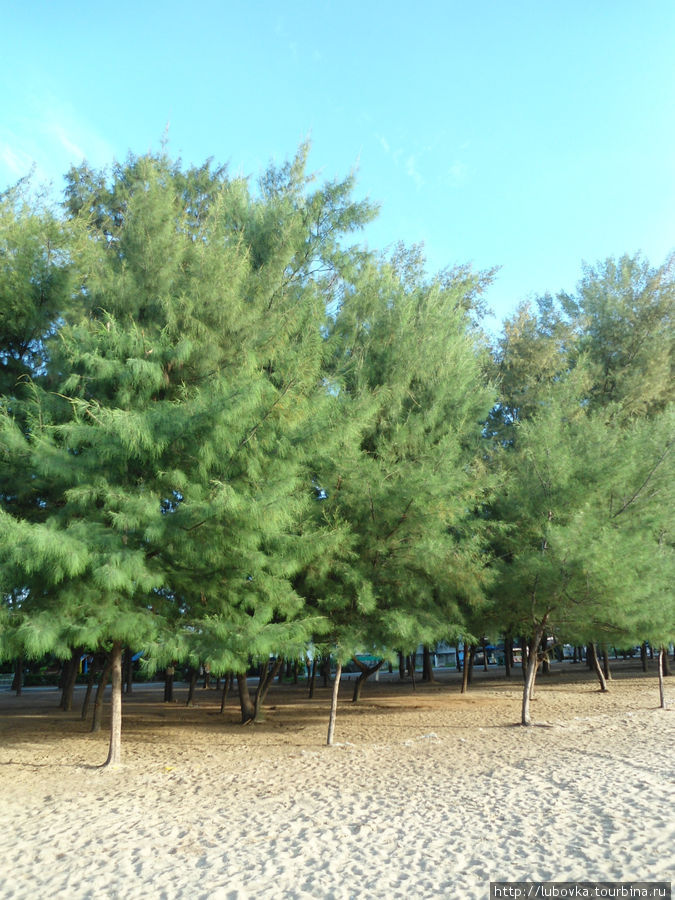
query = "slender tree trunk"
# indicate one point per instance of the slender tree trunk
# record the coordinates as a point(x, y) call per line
point(192, 684)
point(472, 661)
point(325, 669)
point(100, 693)
point(312, 679)
point(530, 674)
point(247, 707)
point(465, 669)
point(508, 656)
point(169, 675)
point(17, 681)
point(662, 690)
point(91, 679)
point(296, 671)
point(485, 659)
point(524, 659)
point(365, 673)
point(226, 688)
point(643, 656)
point(427, 665)
point(665, 662)
point(412, 664)
point(128, 671)
point(401, 665)
point(605, 663)
point(592, 654)
point(115, 751)
point(411, 668)
point(333, 704)
point(268, 675)
point(70, 677)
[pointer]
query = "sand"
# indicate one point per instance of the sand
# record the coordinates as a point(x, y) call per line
point(427, 794)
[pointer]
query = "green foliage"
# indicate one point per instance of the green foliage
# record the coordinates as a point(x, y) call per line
point(586, 426)
point(225, 433)
point(406, 371)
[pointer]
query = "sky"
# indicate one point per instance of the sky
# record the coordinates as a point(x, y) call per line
point(526, 135)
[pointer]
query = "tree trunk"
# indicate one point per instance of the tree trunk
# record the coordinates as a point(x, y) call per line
point(427, 665)
point(365, 673)
point(524, 656)
point(465, 670)
point(412, 659)
point(333, 704)
point(128, 671)
point(69, 679)
point(530, 674)
point(115, 751)
point(91, 678)
point(412, 664)
point(605, 663)
point(665, 662)
point(17, 681)
point(592, 654)
point(401, 665)
point(168, 683)
point(192, 684)
point(247, 707)
point(590, 658)
point(485, 659)
point(312, 679)
point(325, 669)
point(226, 688)
point(508, 656)
point(268, 675)
point(296, 671)
point(100, 692)
point(662, 691)
point(472, 661)
point(643, 656)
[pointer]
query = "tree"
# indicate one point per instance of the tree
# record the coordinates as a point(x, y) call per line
point(190, 392)
point(588, 463)
point(406, 367)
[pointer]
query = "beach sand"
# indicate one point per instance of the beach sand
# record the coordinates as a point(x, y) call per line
point(426, 794)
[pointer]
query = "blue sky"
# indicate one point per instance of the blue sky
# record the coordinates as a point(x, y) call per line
point(528, 135)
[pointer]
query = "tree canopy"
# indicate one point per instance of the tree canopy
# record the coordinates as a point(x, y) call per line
point(227, 433)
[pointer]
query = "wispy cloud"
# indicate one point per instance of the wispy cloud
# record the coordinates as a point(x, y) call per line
point(411, 170)
point(13, 158)
point(384, 143)
point(457, 173)
point(399, 155)
point(50, 137)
